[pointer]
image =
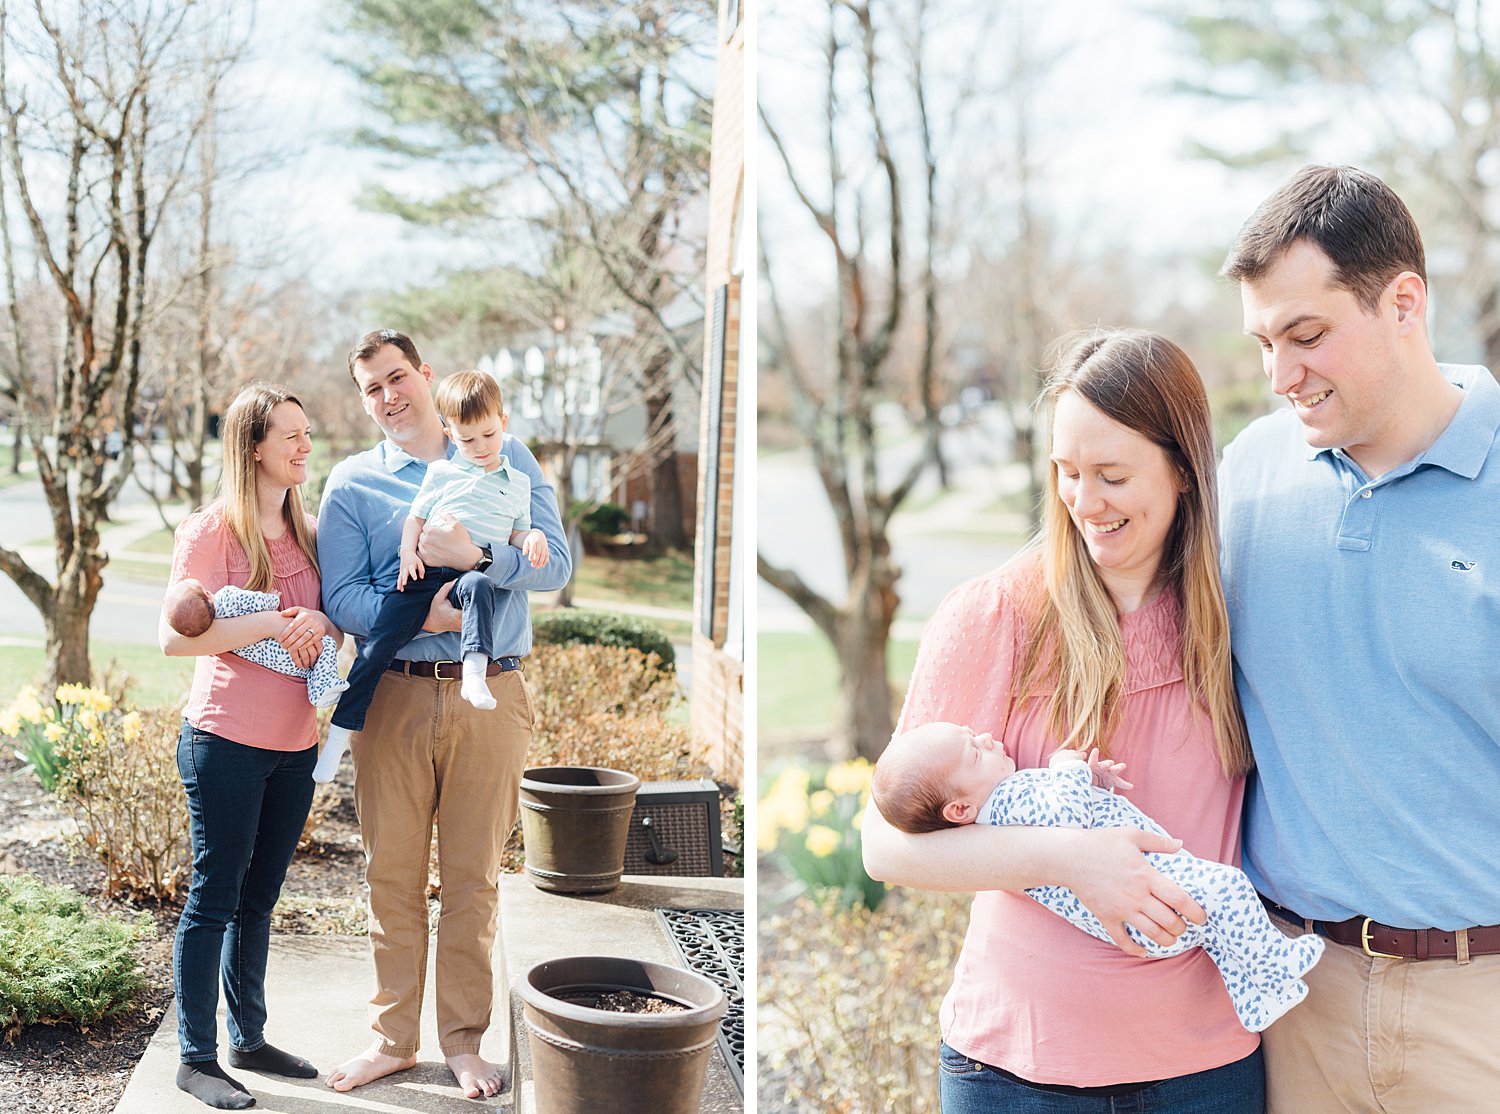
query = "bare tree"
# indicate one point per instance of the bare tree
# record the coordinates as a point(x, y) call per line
point(857, 199)
point(92, 161)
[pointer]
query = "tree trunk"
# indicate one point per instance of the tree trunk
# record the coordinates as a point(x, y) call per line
point(67, 622)
point(17, 442)
point(665, 526)
point(863, 642)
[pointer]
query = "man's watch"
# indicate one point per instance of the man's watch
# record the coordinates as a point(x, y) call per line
point(486, 558)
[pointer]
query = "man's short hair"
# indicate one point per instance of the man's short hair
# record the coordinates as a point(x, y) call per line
point(1350, 215)
point(468, 396)
point(371, 343)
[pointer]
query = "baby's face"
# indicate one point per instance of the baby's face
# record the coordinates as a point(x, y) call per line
point(975, 763)
point(479, 442)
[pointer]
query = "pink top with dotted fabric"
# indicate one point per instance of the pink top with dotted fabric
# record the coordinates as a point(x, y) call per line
point(1031, 993)
point(232, 697)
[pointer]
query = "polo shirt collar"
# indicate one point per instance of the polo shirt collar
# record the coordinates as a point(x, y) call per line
point(1466, 442)
point(397, 458)
point(1463, 447)
point(464, 465)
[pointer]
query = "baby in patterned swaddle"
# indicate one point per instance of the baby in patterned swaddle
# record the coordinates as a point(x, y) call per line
point(944, 776)
point(191, 610)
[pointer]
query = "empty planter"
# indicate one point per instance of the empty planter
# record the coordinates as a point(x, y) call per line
point(575, 820)
point(584, 1060)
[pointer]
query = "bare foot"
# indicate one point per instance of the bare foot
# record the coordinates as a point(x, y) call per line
point(479, 1078)
point(368, 1066)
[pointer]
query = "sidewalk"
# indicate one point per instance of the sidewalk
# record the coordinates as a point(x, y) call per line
point(317, 987)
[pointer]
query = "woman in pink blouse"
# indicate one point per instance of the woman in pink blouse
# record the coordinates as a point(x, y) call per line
point(1109, 631)
point(248, 741)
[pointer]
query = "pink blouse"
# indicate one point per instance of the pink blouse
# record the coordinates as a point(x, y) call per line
point(1031, 993)
point(232, 697)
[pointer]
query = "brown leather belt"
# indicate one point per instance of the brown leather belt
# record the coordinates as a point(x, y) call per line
point(450, 670)
point(1384, 942)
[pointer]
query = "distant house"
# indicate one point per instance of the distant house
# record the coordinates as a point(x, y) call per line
point(718, 696)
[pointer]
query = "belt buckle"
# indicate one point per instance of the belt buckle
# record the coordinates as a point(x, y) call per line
point(437, 668)
point(1364, 942)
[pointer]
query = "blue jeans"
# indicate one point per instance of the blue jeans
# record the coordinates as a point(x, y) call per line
point(400, 619)
point(970, 1088)
point(246, 808)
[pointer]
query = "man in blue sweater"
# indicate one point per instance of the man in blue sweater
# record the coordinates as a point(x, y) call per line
point(425, 753)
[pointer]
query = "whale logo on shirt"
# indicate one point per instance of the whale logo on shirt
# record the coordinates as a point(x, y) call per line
point(1461, 566)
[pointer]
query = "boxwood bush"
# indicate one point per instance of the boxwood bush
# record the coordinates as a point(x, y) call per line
point(580, 627)
point(59, 962)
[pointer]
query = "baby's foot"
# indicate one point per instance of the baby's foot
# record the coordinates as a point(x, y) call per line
point(330, 695)
point(477, 693)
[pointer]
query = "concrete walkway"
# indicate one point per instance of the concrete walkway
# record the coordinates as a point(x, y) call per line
point(317, 987)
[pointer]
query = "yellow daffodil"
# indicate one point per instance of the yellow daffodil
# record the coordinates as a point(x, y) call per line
point(822, 840)
point(53, 732)
point(820, 802)
point(849, 777)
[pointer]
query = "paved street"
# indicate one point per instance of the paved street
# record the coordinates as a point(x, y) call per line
point(943, 541)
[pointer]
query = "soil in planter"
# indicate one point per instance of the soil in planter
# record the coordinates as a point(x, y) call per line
point(617, 1000)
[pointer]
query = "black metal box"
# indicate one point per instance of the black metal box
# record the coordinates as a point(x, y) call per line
point(675, 829)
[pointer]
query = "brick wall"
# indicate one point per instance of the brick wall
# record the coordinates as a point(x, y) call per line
point(718, 700)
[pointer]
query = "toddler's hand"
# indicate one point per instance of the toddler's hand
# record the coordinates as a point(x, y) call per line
point(534, 548)
point(1108, 774)
point(411, 569)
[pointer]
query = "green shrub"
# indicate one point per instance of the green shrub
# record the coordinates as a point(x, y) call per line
point(607, 519)
point(849, 1001)
point(121, 786)
point(571, 626)
point(60, 963)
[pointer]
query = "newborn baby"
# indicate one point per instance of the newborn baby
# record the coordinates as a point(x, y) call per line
point(191, 610)
point(944, 776)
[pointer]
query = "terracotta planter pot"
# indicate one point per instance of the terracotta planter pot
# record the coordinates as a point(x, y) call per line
point(585, 1060)
point(575, 820)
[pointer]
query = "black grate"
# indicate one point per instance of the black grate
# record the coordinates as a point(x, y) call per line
point(712, 943)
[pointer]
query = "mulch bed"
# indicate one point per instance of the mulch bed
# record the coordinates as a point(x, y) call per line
point(59, 1068)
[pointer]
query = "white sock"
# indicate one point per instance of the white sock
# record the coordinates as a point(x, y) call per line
point(333, 754)
point(474, 689)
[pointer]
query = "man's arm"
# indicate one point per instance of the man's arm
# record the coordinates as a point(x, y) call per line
point(350, 598)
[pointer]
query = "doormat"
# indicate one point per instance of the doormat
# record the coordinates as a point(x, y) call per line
point(712, 943)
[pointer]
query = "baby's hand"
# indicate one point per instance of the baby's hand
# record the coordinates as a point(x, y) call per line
point(534, 548)
point(1108, 774)
point(1062, 757)
point(411, 569)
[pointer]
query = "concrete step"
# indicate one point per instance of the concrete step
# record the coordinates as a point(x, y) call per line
point(317, 988)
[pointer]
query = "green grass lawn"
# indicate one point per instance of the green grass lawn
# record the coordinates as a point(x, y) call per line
point(799, 679)
point(155, 678)
point(663, 580)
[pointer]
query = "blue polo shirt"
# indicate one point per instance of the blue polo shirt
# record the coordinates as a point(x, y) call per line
point(1365, 618)
point(365, 504)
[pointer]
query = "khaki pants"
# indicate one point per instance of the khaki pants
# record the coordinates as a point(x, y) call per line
point(1388, 1036)
point(426, 754)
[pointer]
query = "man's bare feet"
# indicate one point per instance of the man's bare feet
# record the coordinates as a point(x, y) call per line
point(478, 1077)
point(368, 1066)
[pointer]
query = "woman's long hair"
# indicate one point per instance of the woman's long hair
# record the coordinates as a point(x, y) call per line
point(245, 426)
point(1150, 386)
